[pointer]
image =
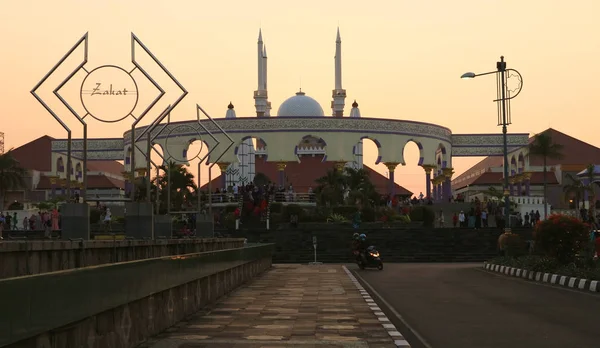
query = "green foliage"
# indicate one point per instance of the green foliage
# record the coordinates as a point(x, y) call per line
point(276, 207)
point(543, 146)
point(293, 209)
point(561, 237)
point(513, 245)
point(261, 179)
point(336, 218)
point(586, 269)
point(423, 213)
point(332, 187)
point(95, 215)
point(15, 206)
point(347, 211)
point(230, 208)
point(368, 214)
point(11, 175)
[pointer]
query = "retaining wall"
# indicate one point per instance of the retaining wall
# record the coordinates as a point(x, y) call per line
point(19, 258)
point(120, 305)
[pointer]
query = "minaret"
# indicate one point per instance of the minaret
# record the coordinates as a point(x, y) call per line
point(339, 94)
point(268, 111)
point(230, 112)
point(260, 95)
point(358, 151)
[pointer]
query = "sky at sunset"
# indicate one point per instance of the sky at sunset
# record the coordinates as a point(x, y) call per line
point(401, 60)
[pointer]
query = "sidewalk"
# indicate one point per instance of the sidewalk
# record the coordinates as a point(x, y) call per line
point(288, 306)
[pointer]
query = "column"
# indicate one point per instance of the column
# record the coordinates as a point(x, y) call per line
point(428, 169)
point(281, 169)
point(511, 186)
point(447, 183)
point(126, 176)
point(339, 166)
point(434, 195)
point(391, 166)
point(53, 180)
point(223, 167)
point(519, 180)
point(63, 187)
point(527, 179)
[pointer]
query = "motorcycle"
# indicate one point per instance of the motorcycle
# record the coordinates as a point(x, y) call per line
point(372, 259)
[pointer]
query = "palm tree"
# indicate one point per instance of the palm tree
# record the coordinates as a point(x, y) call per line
point(575, 189)
point(12, 175)
point(331, 188)
point(544, 147)
point(182, 185)
point(590, 188)
point(360, 185)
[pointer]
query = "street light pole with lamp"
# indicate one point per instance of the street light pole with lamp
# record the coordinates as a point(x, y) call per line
point(503, 99)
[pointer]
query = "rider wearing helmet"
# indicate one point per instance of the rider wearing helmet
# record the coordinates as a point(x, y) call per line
point(362, 242)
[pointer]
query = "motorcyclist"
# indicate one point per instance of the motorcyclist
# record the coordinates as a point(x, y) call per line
point(355, 244)
point(363, 245)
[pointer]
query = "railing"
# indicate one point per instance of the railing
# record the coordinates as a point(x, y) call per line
point(527, 200)
point(280, 197)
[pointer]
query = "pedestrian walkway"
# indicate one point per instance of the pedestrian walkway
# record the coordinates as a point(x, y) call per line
point(289, 306)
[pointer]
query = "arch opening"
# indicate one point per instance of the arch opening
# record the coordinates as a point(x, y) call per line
point(411, 173)
point(311, 147)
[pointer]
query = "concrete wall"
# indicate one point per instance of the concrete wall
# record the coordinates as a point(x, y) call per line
point(19, 258)
point(119, 305)
point(396, 244)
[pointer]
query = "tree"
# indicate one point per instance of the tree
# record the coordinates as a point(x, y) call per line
point(544, 147)
point(576, 189)
point(261, 179)
point(333, 186)
point(182, 187)
point(590, 188)
point(12, 175)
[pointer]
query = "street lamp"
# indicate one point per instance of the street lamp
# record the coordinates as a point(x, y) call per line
point(503, 100)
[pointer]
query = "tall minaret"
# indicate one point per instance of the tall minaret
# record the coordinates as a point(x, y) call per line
point(339, 94)
point(358, 150)
point(260, 95)
point(268, 111)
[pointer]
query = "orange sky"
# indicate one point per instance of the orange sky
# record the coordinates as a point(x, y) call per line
point(401, 59)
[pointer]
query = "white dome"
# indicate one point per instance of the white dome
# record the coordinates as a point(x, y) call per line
point(300, 105)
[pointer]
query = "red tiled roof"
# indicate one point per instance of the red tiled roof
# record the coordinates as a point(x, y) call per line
point(495, 178)
point(112, 167)
point(94, 182)
point(576, 152)
point(35, 155)
point(304, 174)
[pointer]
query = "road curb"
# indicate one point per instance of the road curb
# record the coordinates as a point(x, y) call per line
point(542, 277)
point(391, 329)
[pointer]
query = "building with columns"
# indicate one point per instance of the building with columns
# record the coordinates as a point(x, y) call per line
point(299, 138)
point(526, 171)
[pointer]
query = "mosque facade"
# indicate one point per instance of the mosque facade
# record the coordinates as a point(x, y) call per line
point(299, 130)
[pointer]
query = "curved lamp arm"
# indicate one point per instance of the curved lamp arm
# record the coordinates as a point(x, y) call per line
point(516, 90)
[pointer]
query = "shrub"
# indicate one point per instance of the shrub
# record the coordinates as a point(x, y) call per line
point(346, 210)
point(95, 216)
point(561, 237)
point(416, 213)
point(403, 218)
point(424, 214)
point(276, 207)
point(230, 208)
point(513, 245)
point(387, 214)
point(292, 209)
point(368, 214)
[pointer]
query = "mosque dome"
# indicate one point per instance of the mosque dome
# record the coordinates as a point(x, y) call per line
point(300, 105)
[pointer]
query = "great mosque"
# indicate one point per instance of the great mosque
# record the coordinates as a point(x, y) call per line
point(300, 132)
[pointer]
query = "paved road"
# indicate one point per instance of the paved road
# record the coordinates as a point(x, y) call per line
point(289, 306)
point(457, 305)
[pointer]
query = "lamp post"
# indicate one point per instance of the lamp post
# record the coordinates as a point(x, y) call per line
point(503, 100)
